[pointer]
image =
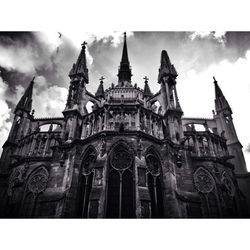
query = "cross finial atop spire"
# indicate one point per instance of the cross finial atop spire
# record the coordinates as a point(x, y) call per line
point(146, 79)
point(84, 44)
point(214, 80)
point(101, 79)
point(80, 67)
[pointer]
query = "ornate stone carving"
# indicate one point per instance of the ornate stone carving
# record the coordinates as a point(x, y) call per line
point(103, 145)
point(17, 177)
point(178, 158)
point(98, 176)
point(38, 182)
point(88, 163)
point(203, 181)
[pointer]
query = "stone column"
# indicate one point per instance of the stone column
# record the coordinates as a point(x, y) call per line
point(90, 126)
point(99, 190)
point(72, 128)
point(196, 142)
point(100, 122)
point(46, 146)
point(171, 206)
point(137, 119)
point(105, 118)
point(211, 148)
point(129, 118)
point(84, 129)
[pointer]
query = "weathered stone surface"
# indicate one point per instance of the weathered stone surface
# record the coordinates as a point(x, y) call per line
point(133, 156)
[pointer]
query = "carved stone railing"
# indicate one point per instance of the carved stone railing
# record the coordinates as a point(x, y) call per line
point(37, 144)
point(206, 144)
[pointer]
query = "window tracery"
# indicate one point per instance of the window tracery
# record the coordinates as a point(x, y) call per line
point(154, 184)
point(203, 181)
point(121, 159)
point(228, 183)
point(153, 164)
point(37, 183)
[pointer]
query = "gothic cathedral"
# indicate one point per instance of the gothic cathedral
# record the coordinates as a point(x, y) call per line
point(133, 156)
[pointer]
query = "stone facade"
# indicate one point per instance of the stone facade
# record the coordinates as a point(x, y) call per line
point(133, 156)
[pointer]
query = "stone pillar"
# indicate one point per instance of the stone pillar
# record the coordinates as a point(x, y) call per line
point(99, 189)
point(145, 122)
point(171, 125)
point(129, 118)
point(137, 120)
point(83, 133)
point(176, 98)
point(196, 142)
point(46, 151)
point(105, 118)
point(211, 148)
point(32, 146)
point(171, 206)
point(100, 123)
point(90, 126)
point(93, 125)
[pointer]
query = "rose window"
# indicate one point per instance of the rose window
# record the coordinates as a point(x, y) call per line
point(203, 181)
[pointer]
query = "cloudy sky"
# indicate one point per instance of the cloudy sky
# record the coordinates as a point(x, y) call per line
point(197, 56)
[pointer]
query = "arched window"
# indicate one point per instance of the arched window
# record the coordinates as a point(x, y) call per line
point(154, 184)
point(35, 186)
point(121, 195)
point(228, 196)
point(205, 185)
point(85, 182)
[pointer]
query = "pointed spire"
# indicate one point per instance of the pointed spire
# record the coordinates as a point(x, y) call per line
point(124, 73)
point(100, 91)
point(147, 92)
point(25, 103)
point(220, 100)
point(80, 67)
point(166, 67)
point(125, 51)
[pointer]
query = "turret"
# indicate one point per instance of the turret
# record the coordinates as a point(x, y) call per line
point(169, 99)
point(79, 78)
point(124, 73)
point(75, 101)
point(100, 91)
point(146, 92)
point(225, 127)
point(23, 114)
point(20, 126)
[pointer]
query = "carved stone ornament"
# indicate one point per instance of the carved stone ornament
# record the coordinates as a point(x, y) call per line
point(38, 183)
point(228, 183)
point(203, 181)
point(121, 159)
point(17, 177)
point(153, 164)
point(103, 147)
point(88, 163)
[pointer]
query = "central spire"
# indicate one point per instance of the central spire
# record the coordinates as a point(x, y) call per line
point(124, 73)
